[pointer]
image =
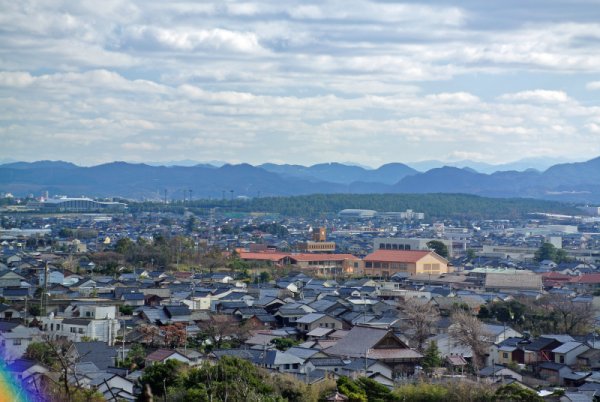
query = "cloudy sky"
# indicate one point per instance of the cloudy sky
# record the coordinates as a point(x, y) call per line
point(299, 81)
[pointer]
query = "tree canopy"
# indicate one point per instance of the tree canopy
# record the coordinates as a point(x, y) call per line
point(548, 251)
point(439, 247)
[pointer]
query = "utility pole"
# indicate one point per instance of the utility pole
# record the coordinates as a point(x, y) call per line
point(123, 343)
point(44, 291)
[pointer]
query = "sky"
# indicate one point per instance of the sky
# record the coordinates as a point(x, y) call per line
point(301, 82)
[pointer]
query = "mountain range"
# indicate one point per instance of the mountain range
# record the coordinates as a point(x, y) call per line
point(572, 182)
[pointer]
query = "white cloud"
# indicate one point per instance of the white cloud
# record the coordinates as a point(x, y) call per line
point(537, 95)
point(593, 85)
point(243, 79)
point(15, 79)
point(195, 39)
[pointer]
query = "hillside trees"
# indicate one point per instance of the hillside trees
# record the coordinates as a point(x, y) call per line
point(228, 379)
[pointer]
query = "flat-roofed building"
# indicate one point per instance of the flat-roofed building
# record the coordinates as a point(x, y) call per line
point(401, 243)
point(357, 213)
point(317, 246)
point(82, 204)
point(386, 263)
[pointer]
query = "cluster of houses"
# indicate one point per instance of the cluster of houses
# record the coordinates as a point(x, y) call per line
point(341, 314)
point(352, 327)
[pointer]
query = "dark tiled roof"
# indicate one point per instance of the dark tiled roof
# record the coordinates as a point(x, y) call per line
point(76, 321)
point(174, 311)
point(99, 353)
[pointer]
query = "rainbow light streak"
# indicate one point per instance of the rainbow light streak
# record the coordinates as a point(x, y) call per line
point(12, 389)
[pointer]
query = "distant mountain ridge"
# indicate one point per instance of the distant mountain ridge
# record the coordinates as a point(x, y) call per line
point(340, 173)
point(573, 182)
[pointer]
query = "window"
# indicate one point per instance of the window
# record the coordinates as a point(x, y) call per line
point(80, 330)
point(562, 359)
point(16, 342)
point(505, 355)
point(73, 330)
point(368, 265)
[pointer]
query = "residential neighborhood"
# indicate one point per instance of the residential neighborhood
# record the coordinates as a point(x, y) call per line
point(126, 292)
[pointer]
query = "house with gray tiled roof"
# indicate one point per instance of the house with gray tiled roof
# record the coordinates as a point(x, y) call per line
point(311, 321)
point(567, 352)
point(378, 344)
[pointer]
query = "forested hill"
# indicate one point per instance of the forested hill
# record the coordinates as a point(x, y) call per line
point(433, 205)
point(570, 182)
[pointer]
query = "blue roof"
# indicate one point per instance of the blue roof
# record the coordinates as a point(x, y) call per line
point(133, 296)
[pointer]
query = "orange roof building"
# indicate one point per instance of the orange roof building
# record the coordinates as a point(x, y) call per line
point(386, 263)
point(320, 264)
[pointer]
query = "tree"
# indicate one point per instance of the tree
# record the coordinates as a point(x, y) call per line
point(191, 223)
point(264, 277)
point(126, 309)
point(471, 254)
point(124, 246)
point(432, 357)
point(511, 312)
point(34, 310)
point(467, 330)
point(40, 352)
point(283, 343)
point(547, 251)
point(365, 390)
point(220, 328)
point(421, 315)
point(515, 392)
point(571, 317)
point(135, 357)
point(230, 379)
point(439, 247)
point(175, 335)
point(57, 355)
point(160, 376)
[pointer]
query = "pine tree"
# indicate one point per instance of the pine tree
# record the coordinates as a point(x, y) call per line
point(432, 358)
